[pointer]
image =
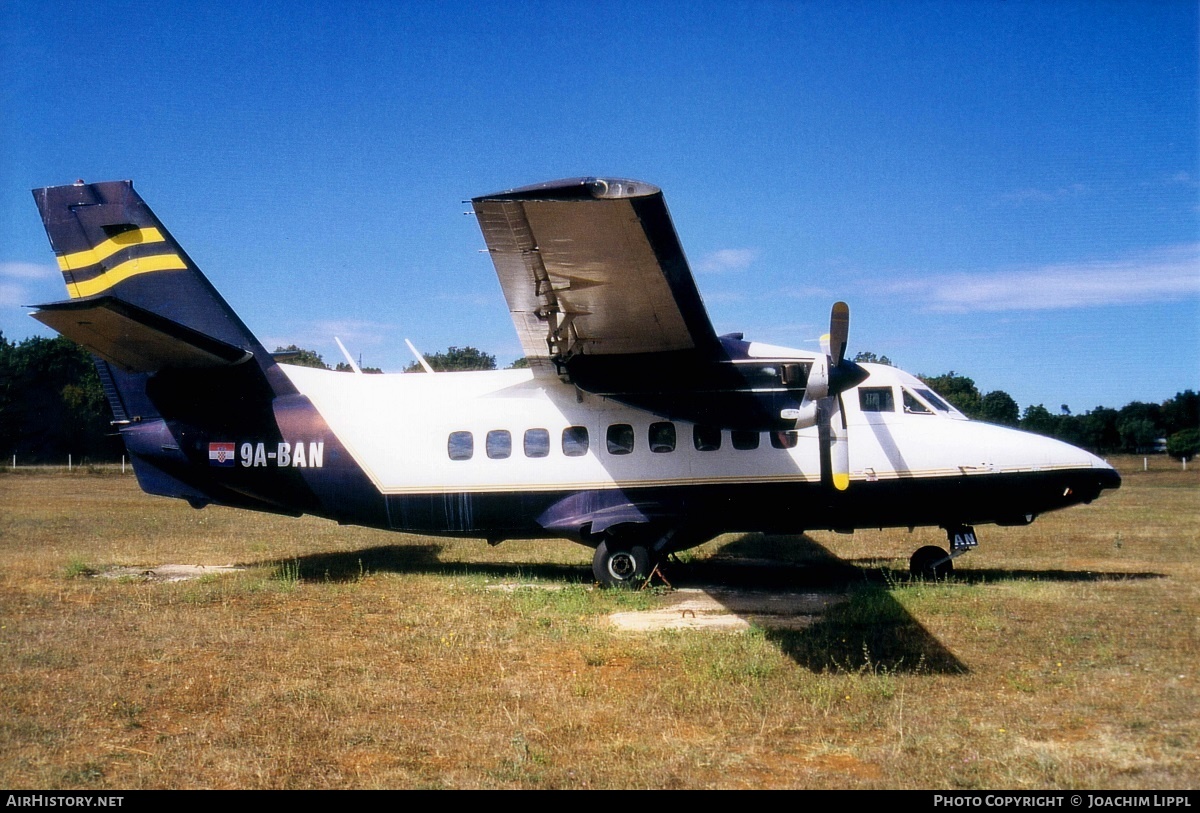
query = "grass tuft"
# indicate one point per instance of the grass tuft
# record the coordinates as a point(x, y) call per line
point(77, 568)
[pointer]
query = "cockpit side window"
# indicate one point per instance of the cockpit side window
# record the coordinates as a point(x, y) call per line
point(935, 399)
point(876, 399)
point(912, 406)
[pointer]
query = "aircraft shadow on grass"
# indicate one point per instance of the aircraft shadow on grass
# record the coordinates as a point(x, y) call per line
point(870, 630)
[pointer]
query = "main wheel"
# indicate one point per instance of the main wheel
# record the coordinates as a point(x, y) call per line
point(931, 562)
point(621, 566)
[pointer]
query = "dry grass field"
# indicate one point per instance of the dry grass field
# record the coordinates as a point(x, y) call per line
point(1062, 655)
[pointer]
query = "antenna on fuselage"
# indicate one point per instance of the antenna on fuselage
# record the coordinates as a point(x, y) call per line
point(349, 358)
point(420, 359)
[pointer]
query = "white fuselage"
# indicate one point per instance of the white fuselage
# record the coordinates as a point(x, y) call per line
point(400, 429)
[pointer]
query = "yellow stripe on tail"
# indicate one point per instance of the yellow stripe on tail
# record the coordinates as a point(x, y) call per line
point(133, 237)
point(127, 269)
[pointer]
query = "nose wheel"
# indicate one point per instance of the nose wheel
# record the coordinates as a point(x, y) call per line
point(932, 562)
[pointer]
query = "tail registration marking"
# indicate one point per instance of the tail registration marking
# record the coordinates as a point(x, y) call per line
point(284, 455)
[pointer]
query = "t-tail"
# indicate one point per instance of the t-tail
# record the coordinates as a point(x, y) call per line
point(198, 400)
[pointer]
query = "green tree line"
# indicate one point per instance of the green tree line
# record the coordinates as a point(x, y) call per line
point(1135, 427)
point(52, 405)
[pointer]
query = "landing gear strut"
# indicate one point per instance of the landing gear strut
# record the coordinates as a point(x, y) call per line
point(932, 562)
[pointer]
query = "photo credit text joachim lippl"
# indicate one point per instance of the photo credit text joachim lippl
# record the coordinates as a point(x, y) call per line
point(1076, 800)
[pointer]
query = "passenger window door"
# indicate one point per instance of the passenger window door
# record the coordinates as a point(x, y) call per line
point(498, 444)
point(537, 443)
point(460, 446)
point(706, 438)
point(620, 439)
point(662, 437)
point(575, 441)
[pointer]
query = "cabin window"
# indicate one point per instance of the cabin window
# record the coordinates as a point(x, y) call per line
point(537, 443)
point(620, 438)
point(575, 441)
point(662, 437)
point(706, 438)
point(461, 446)
point(498, 444)
point(743, 439)
point(876, 399)
point(785, 440)
point(913, 406)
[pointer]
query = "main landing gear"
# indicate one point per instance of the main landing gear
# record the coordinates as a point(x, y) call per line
point(932, 562)
point(621, 566)
point(628, 556)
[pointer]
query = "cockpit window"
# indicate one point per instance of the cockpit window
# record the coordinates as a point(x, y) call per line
point(876, 399)
point(935, 399)
point(913, 406)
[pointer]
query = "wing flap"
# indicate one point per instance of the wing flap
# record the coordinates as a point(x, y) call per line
point(135, 339)
point(593, 266)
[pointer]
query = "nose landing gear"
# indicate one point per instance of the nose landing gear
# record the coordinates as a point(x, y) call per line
point(933, 563)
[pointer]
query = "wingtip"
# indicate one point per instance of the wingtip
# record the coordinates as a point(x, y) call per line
point(592, 187)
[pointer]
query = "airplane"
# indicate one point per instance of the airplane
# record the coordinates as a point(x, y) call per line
point(636, 430)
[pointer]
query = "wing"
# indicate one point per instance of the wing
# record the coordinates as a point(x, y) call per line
point(593, 266)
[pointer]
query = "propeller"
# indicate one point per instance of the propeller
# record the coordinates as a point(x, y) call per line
point(829, 377)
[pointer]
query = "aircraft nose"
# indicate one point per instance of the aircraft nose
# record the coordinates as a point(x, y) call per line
point(1088, 483)
point(1108, 477)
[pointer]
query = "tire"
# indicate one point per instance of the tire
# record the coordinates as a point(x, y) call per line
point(621, 566)
point(931, 562)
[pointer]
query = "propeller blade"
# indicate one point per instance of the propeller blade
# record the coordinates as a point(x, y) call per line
point(829, 378)
point(839, 452)
point(839, 331)
point(825, 440)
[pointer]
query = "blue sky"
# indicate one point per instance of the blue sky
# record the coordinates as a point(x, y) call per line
point(1009, 190)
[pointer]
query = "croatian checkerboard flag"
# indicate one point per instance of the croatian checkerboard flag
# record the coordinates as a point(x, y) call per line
point(220, 454)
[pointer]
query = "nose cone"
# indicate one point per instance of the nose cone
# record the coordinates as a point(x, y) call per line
point(1106, 476)
point(1080, 475)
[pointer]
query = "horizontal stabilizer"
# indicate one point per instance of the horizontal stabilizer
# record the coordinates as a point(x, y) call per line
point(135, 339)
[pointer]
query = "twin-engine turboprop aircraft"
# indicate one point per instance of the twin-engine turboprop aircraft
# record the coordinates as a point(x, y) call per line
point(636, 430)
